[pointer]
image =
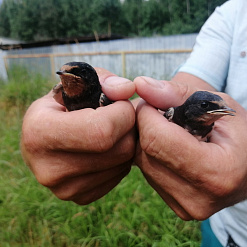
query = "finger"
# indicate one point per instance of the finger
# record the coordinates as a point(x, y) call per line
point(83, 130)
point(115, 88)
point(187, 199)
point(69, 189)
point(156, 141)
point(52, 168)
point(170, 201)
point(158, 180)
point(198, 162)
point(162, 94)
point(94, 130)
point(173, 145)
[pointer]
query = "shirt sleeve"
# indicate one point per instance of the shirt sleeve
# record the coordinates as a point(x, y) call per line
point(209, 59)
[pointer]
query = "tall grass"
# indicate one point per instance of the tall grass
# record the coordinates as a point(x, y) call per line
point(30, 215)
point(22, 88)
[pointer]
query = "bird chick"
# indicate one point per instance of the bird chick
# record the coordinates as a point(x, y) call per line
point(199, 112)
point(80, 87)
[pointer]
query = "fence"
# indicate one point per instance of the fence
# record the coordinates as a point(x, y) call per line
point(127, 57)
point(153, 67)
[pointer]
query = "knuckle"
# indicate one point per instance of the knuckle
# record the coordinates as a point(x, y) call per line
point(185, 90)
point(63, 193)
point(83, 201)
point(86, 199)
point(201, 214)
point(200, 210)
point(100, 137)
point(148, 142)
point(28, 141)
point(46, 177)
point(71, 188)
point(127, 147)
point(221, 188)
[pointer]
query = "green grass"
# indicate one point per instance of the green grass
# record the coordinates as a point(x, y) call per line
point(30, 215)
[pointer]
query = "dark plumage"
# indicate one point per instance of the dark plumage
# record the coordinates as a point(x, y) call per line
point(80, 87)
point(199, 112)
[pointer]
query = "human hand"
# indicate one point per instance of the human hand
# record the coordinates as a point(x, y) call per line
point(196, 179)
point(81, 155)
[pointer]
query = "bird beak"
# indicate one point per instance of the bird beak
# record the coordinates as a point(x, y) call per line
point(66, 74)
point(63, 73)
point(223, 111)
point(59, 72)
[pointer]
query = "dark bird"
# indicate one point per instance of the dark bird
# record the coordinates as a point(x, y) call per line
point(199, 112)
point(80, 87)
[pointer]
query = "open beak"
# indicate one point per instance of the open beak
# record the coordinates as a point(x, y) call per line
point(222, 111)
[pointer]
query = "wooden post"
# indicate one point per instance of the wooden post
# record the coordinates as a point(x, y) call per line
point(53, 71)
point(5, 63)
point(123, 55)
point(5, 59)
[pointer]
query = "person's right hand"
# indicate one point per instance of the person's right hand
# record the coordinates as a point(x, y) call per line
point(81, 155)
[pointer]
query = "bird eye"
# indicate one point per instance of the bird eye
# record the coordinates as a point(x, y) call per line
point(204, 104)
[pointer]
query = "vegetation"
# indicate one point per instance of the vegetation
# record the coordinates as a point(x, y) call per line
point(39, 20)
point(130, 215)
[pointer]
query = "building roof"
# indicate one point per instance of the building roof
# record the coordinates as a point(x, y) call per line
point(8, 44)
point(4, 41)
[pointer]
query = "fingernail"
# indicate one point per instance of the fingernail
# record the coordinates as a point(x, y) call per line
point(153, 82)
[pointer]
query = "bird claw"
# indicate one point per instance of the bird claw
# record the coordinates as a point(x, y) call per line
point(169, 113)
point(57, 88)
point(103, 100)
point(57, 93)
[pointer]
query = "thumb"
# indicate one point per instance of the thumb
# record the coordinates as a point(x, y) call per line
point(115, 87)
point(162, 94)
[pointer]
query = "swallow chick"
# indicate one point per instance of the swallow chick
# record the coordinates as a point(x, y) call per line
point(199, 112)
point(80, 87)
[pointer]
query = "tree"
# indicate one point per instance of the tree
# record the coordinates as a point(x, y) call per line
point(48, 13)
point(5, 29)
point(107, 16)
point(45, 19)
point(27, 19)
point(133, 14)
point(154, 16)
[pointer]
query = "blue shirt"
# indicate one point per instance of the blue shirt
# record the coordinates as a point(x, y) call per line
point(219, 57)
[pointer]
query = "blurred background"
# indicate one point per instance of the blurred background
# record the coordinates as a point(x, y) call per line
point(127, 37)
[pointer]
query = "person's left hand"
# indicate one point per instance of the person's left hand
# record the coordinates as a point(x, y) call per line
point(196, 179)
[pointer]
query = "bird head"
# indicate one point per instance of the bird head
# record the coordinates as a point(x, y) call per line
point(206, 108)
point(77, 77)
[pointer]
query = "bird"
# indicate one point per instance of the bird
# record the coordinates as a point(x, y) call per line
point(199, 112)
point(80, 87)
